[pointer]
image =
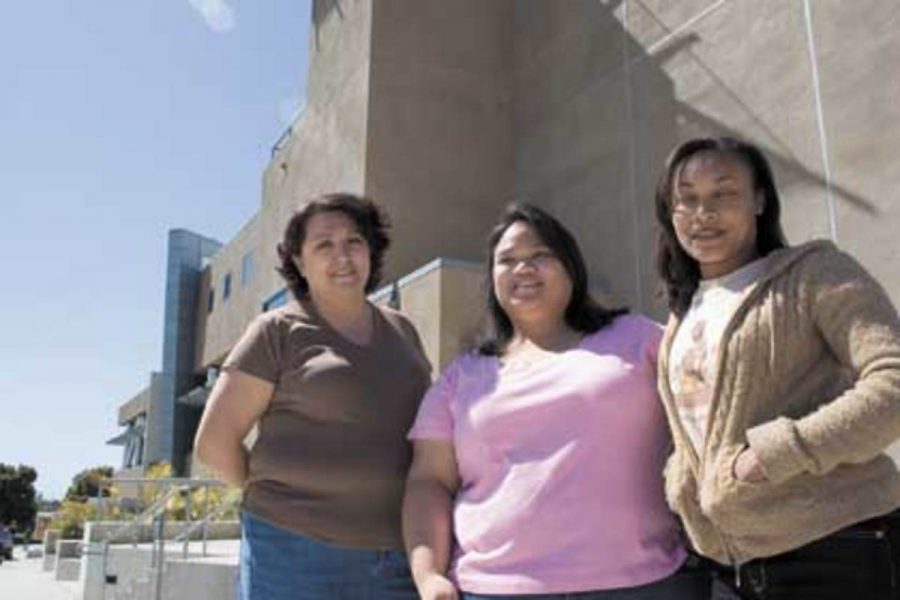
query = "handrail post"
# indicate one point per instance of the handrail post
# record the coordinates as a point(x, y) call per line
point(187, 517)
point(205, 523)
point(160, 556)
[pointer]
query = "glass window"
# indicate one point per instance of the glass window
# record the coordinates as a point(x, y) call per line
point(226, 286)
point(279, 298)
point(211, 300)
point(247, 268)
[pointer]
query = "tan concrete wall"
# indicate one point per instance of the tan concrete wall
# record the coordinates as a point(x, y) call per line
point(439, 152)
point(229, 318)
point(462, 309)
point(859, 70)
point(603, 92)
point(206, 283)
point(326, 149)
point(572, 133)
point(444, 111)
point(138, 404)
point(443, 301)
point(420, 300)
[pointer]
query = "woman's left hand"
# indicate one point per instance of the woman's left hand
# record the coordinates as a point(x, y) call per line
point(747, 467)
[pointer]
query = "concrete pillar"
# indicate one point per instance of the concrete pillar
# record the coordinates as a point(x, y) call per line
point(51, 536)
point(93, 566)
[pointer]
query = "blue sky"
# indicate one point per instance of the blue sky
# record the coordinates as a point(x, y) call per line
point(119, 121)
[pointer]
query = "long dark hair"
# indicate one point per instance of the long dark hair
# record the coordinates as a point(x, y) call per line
point(679, 272)
point(583, 313)
point(369, 218)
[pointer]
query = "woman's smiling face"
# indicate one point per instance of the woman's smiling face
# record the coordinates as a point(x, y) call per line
point(714, 209)
point(334, 257)
point(530, 282)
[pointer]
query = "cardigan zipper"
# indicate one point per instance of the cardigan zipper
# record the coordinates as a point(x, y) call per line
point(695, 459)
point(697, 463)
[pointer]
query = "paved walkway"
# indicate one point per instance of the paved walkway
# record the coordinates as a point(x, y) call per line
point(23, 579)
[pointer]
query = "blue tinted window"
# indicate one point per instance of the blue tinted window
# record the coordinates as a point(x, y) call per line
point(279, 298)
point(247, 268)
point(226, 286)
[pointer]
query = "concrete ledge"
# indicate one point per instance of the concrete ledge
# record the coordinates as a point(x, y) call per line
point(189, 580)
point(68, 560)
point(68, 569)
point(98, 531)
point(68, 549)
point(51, 537)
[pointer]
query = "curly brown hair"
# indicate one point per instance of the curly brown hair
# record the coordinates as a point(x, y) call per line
point(370, 219)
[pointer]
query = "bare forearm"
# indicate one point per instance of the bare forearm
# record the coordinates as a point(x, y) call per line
point(427, 528)
point(227, 459)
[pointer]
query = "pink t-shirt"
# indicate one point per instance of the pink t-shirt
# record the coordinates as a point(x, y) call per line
point(560, 467)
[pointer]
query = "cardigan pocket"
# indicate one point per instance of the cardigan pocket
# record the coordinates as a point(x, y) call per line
point(722, 494)
point(731, 465)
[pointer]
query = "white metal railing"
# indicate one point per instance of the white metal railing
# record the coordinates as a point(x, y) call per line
point(155, 514)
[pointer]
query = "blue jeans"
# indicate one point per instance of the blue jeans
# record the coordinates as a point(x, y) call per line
point(277, 564)
point(690, 582)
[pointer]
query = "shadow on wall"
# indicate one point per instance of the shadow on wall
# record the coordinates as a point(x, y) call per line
point(605, 90)
point(781, 161)
point(778, 150)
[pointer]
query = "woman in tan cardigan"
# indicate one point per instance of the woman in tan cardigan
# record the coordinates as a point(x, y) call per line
point(780, 374)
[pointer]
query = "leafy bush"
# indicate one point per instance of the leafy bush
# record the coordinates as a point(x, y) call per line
point(74, 512)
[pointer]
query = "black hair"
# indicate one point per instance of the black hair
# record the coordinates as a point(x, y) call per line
point(680, 274)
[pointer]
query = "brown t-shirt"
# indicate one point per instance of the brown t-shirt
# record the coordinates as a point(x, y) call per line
point(331, 456)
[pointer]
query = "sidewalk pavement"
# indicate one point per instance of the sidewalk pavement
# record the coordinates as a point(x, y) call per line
point(23, 579)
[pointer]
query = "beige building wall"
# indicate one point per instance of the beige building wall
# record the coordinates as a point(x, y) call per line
point(572, 131)
point(324, 151)
point(605, 90)
point(229, 317)
point(858, 52)
point(443, 300)
point(136, 406)
point(439, 153)
point(430, 139)
point(444, 111)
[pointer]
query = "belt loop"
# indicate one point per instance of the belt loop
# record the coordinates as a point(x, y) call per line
point(759, 583)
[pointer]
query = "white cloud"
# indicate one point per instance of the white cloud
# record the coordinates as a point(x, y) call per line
point(219, 16)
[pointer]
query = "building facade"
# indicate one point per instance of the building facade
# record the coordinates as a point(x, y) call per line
point(446, 111)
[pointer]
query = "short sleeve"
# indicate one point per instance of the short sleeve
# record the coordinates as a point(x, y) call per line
point(435, 418)
point(653, 333)
point(257, 353)
point(642, 336)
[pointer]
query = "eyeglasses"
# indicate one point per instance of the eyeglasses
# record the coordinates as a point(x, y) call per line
point(689, 205)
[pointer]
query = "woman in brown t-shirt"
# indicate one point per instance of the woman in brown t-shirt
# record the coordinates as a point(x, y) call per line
point(334, 383)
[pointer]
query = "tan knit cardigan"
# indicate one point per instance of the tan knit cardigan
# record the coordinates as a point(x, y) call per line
point(808, 375)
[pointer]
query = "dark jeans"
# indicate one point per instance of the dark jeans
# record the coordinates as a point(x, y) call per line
point(690, 582)
point(860, 562)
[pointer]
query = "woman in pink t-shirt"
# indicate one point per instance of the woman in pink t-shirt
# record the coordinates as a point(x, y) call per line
point(538, 456)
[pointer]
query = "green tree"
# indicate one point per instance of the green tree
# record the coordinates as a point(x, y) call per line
point(87, 484)
point(17, 504)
